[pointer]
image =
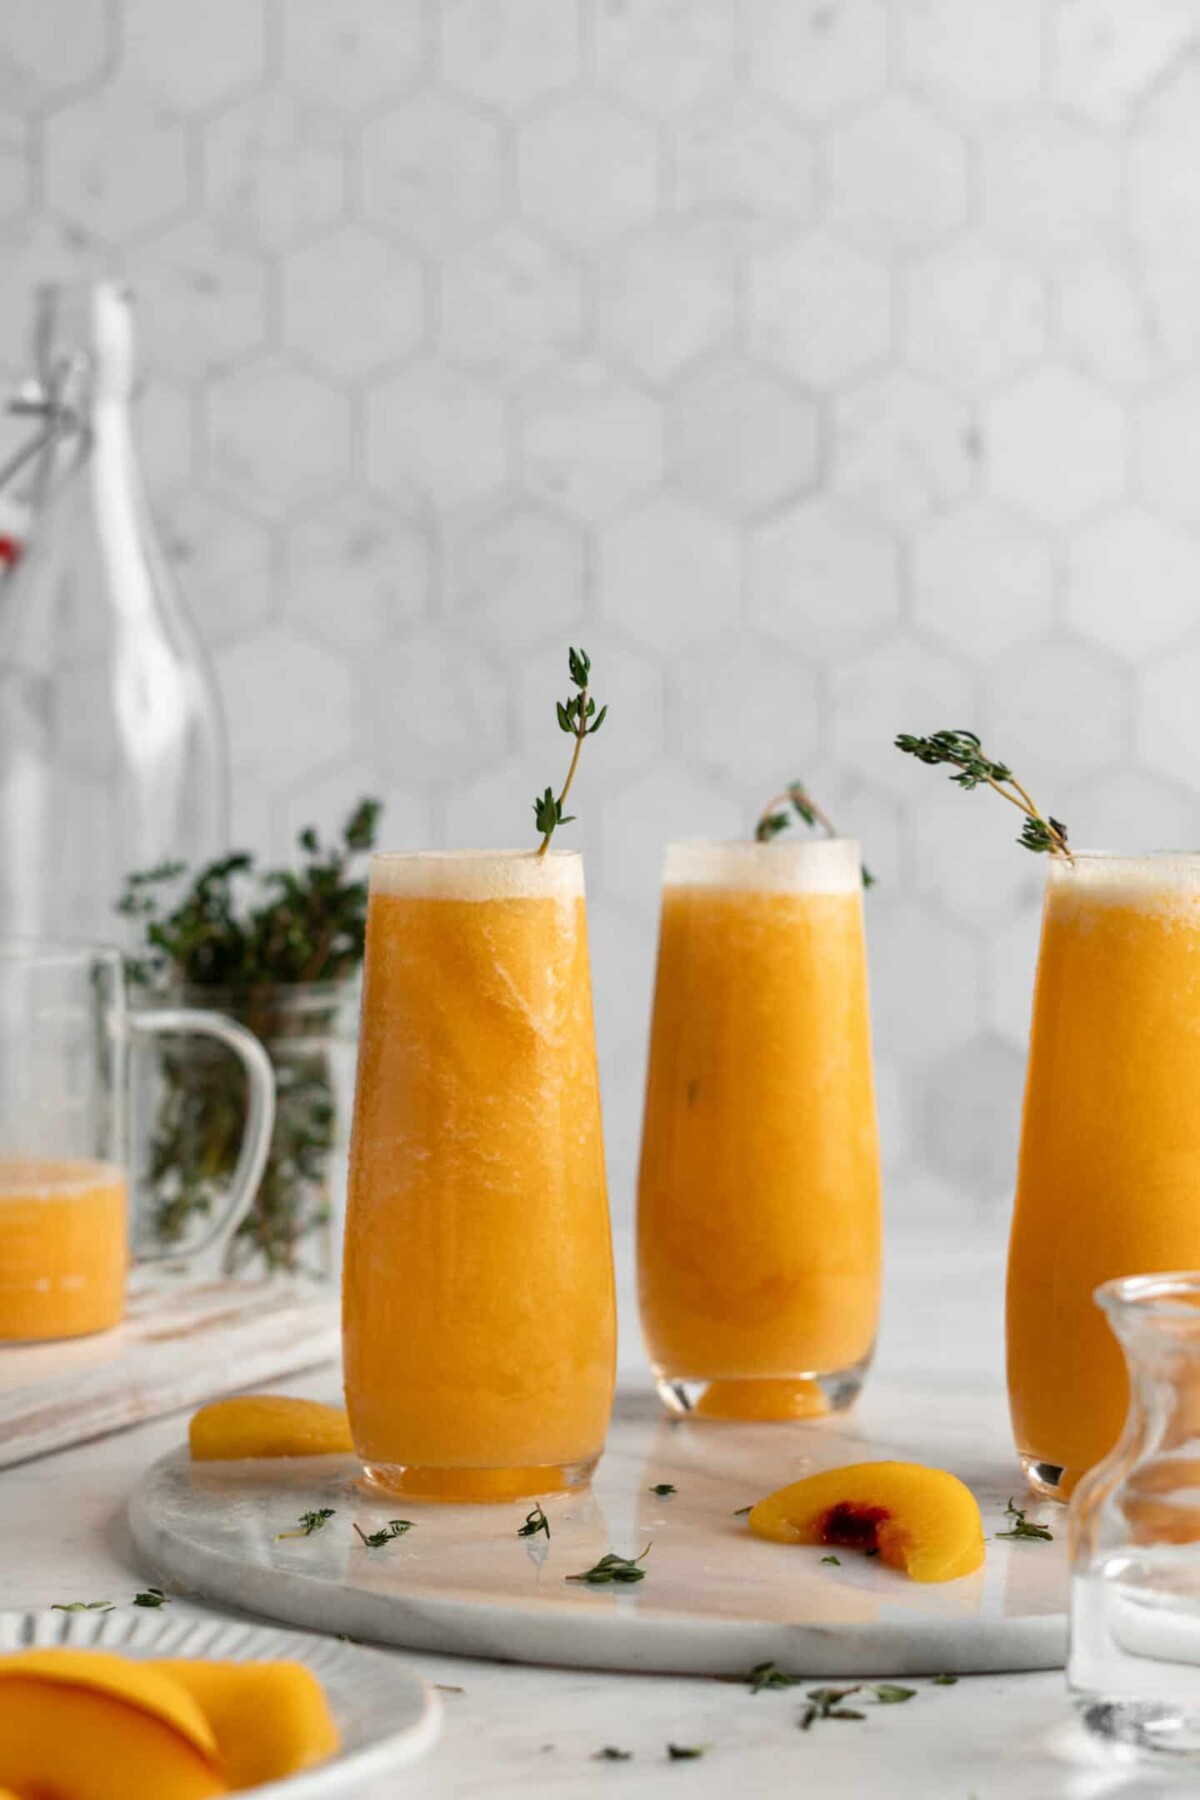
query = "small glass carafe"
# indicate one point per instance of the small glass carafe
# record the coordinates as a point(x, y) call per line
point(1134, 1525)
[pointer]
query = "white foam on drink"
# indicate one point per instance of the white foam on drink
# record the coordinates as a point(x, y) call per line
point(1157, 881)
point(802, 866)
point(478, 874)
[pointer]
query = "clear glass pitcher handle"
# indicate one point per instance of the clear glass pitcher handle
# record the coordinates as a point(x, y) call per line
point(256, 1134)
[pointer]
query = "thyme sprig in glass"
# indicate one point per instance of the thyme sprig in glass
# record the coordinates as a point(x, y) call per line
point(963, 752)
point(577, 716)
point(795, 802)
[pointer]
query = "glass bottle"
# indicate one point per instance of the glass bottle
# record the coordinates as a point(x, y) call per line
point(1134, 1526)
point(112, 745)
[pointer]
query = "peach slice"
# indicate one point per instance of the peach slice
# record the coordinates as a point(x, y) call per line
point(86, 1725)
point(267, 1425)
point(269, 1719)
point(764, 1400)
point(922, 1521)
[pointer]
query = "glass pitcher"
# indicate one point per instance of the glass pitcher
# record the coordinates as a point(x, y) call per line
point(1134, 1528)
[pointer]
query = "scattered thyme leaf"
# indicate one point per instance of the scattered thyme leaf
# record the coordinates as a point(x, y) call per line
point(775, 818)
point(577, 716)
point(888, 1693)
point(1023, 1527)
point(835, 1560)
point(152, 1597)
point(394, 1528)
point(534, 1522)
point(826, 1703)
point(962, 750)
point(685, 1752)
point(944, 1681)
point(766, 1675)
point(610, 1753)
point(612, 1568)
point(82, 1606)
point(664, 1490)
point(741, 1511)
point(446, 1687)
point(309, 1522)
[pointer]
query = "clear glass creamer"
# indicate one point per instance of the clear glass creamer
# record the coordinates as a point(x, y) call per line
point(1134, 1525)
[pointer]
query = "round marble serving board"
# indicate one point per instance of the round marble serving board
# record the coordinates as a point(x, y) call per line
point(715, 1600)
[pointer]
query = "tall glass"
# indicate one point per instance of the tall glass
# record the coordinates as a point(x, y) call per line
point(758, 1203)
point(478, 1311)
point(1109, 1178)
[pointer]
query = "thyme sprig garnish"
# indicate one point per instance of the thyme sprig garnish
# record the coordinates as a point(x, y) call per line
point(574, 715)
point(962, 750)
point(374, 1540)
point(1023, 1527)
point(309, 1522)
point(775, 817)
point(613, 1568)
point(535, 1521)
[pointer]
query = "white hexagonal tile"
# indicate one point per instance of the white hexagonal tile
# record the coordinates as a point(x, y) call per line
point(589, 440)
point(511, 55)
point(669, 572)
point(222, 563)
point(1108, 57)
point(1010, 966)
point(115, 163)
point(274, 170)
point(355, 572)
point(435, 434)
point(1130, 809)
point(1062, 710)
point(199, 301)
point(194, 57)
point(416, 692)
point(1167, 444)
point(287, 705)
point(897, 179)
point(629, 683)
point(965, 852)
point(352, 302)
point(912, 950)
point(664, 55)
point(509, 305)
point(983, 579)
point(432, 170)
point(516, 575)
point(587, 172)
point(745, 708)
point(897, 685)
point(1056, 445)
point(1130, 320)
point(821, 308)
point(165, 430)
point(58, 43)
point(902, 447)
point(1051, 186)
point(494, 810)
point(820, 60)
point(353, 56)
point(14, 165)
point(34, 250)
point(741, 438)
point(1133, 582)
point(667, 297)
point(1168, 731)
point(728, 159)
point(973, 61)
point(278, 437)
point(971, 1113)
point(1164, 161)
point(824, 576)
point(669, 800)
point(974, 316)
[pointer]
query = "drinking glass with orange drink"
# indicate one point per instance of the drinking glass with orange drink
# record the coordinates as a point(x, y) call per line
point(65, 1034)
point(759, 1192)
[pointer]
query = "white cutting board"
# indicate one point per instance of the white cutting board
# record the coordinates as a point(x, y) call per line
point(181, 1343)
point(715, 1599)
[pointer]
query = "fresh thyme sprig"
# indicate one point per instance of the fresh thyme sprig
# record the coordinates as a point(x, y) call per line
point(963, 751)
point(534, 1522)
point(309, 1522)
point(374, 1540)
point(775, 817)
point(1023, 1527)
point(574, 714)
point(612, 1568)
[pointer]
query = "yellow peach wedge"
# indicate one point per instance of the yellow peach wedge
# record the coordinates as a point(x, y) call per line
point(269, 1719)
point(86, 1725)
point(921, 1521)
point(267, 1425)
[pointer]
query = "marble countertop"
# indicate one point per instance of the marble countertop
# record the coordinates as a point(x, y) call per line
point(515, 1731)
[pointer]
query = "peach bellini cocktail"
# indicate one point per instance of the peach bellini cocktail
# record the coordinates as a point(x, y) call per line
point(759, 1194)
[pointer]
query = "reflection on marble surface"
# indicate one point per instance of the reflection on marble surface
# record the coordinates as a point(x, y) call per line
point(715, 1600)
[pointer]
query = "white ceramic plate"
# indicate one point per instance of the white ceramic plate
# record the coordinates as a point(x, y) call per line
point(386, 1715)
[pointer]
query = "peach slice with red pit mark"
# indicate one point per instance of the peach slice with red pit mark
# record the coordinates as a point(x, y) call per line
point(267, 1425)
point(922, 1521)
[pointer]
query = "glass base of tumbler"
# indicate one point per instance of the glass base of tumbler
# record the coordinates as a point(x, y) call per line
point(1160, 1726)
point(466, 1487)
point(1049, 1481)
point(762, 1399)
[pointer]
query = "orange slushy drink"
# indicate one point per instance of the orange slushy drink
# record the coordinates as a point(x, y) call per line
point(63, 1255)
point(478, 1308)
point(759, 1205)
point(1109, 1180)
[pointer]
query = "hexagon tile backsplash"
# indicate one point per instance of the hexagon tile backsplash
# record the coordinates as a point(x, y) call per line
point(826, 367)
